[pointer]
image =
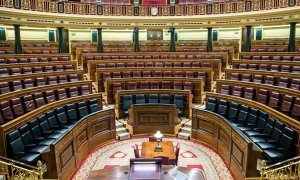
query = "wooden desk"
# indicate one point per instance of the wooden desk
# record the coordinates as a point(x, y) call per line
point(121, 173)
point(149, 118)
point(167, 146)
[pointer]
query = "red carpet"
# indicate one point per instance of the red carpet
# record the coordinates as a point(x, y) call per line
point(192, 155)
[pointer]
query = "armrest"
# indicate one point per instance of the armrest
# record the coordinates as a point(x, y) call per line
point(19, 153)
point(257, 129)
point(47, 132)
point(39, 138)
point(272, 141)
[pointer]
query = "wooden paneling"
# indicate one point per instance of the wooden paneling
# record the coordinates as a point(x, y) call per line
point(68, 152)
point(238, 151)
point(18, 122)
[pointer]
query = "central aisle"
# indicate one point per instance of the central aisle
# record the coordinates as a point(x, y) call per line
point(192, 155)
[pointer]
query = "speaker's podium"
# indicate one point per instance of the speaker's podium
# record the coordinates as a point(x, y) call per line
point(149, 118)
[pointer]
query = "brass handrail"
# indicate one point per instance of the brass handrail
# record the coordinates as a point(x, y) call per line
point(287, 169)
point(11, 169)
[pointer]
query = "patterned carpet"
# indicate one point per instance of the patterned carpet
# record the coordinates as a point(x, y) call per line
point(192, 155)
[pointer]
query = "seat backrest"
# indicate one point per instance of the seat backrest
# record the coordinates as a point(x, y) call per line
point(165, 99)
point(243, 114)
point(263, 96)
point(15, 145)
point(252, 116)
point(211, 104)
point(6, 111)
point(140, 99)
point(222, 107)
point(233, 111)
point(178, 101)
point(127, 102)
point(277, 131)
point(17, 107)
point(286, 140)
point(287, 103)
point(153, 98)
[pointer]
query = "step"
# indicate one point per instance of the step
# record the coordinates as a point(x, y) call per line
point(189, 124)
point(186, 129)
point(118, 124)
point(183, 135)
point(121, 130)
point(124, 136)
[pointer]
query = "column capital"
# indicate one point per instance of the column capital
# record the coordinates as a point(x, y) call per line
point(99, 29)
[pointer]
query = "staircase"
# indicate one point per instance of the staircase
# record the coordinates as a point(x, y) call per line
point(121, 131)
point(185, 131)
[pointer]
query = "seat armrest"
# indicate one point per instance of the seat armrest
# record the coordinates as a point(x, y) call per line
point(30, 145)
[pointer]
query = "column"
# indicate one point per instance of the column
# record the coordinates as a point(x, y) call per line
point(136, 40)
point(248, 39)
point(61, 48)
point(172, 39)
point(99, 41)
point(18, 45)
point(209, 40)
point(291, 47)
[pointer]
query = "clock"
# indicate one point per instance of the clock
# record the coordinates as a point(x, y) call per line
point(154, 11)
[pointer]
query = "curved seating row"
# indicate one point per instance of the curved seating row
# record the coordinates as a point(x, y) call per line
point(30, 58)
point(282, 79)
point(267, 65)
point(272, 136)
point(269, 49)
point(278, 56)
point(150, 55)
point(15, 70)
point(16, 104)
point(194, 85)
point(206, 74)
point(282, 101)
point(25, 81)
point(215, 64)
point(28, 142)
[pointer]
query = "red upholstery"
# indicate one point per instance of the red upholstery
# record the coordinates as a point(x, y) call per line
point(274, 100)
point(237, 91)
point(225, 89)
point(61, 94)
point(50, 96)
point(262, 96)
point(29, 104)
point(17, 107)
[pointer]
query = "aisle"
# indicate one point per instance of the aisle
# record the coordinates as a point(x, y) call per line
point(192, 155)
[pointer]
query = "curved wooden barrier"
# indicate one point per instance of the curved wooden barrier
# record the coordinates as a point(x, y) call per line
point(238, 151)
point(18, 122)
point(67, 153)
point(236, 63)
point(39, 64)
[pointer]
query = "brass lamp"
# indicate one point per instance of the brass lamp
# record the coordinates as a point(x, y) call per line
point(158, 136)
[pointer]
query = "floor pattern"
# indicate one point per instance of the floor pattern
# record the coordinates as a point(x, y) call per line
point(192, 155)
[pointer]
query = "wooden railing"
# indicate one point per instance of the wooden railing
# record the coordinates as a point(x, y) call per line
point(129, 10)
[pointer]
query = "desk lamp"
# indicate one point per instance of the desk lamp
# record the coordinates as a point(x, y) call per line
point(158, 137)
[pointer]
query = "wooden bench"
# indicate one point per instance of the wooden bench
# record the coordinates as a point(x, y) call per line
point(269, 48)
point(187, 94)
point(42, 65)
point(282, 92)
point(208, 84)
point(41, 93)
point(277, 75)
point(40, 50)
point(265, 55)
point(238, 151)
point(267, 65)
point(215, 64)
point(155, 56)
point(81, 50)
point(7, 50)
point(48, 57)
point(66, 153)
point(197, 91)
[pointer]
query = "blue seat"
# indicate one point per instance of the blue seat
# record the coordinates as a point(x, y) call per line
point(140, 99)
point(211, 104)
point(153, 98)
point(127, 102)
point(165, 99)
point(178, 101)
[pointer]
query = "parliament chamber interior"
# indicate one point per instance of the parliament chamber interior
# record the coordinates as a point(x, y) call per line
point(150, 89)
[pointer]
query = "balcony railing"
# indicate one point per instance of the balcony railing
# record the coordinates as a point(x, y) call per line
point(11, 169)
point(288, 169)
point(129, 10)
